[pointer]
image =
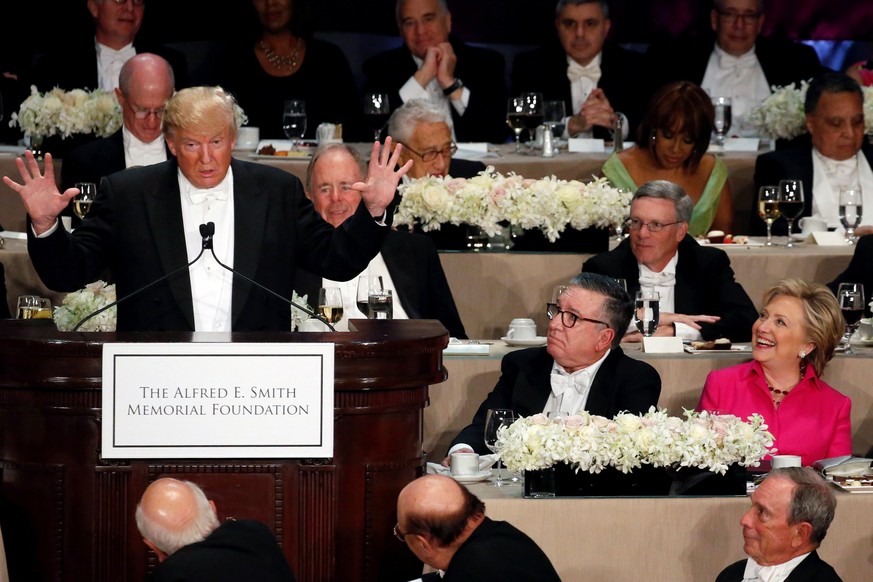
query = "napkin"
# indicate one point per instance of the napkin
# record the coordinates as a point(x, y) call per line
point(485, 462)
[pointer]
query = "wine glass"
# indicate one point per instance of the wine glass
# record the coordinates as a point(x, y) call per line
point(515, 119)
point(294, 120)
point(495, 419)
point(376, 112)
point(366, 285)
point(533, 114)
point(554, 113)
point(851, 206)
point(722, 120)
point(83, 200)
point(851, 299)
point(330, 304)
point(790, 203)
point(768, 208)
point(647, 310)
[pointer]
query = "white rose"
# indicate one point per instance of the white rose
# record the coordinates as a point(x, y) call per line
point(628, 422)
point(436, 198)
point(569, 196)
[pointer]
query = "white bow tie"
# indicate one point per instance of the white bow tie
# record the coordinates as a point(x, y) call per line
point(123, 55)
point(840, 167)
point(575, 71)
point(746, 61)
point(200, 195)
point(562, 382)
point(662, 279)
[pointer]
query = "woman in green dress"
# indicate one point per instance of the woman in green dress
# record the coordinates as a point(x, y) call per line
point(671, 145)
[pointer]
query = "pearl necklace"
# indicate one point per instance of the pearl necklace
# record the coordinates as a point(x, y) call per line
point(284, 63)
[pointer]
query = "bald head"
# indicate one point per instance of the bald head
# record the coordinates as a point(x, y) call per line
point(432, 497)
point(145, 84)
point(173, 514)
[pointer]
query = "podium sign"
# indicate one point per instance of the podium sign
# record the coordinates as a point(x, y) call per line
point(217, 400)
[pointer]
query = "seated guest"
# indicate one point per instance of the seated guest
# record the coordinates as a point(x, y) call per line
point(588, 73)
point(671, 145)
point(181, 527)
point(145, 84)
point(791, 511)
point(860, 269)
point(445, 526)
point(792, 342)
point(4, 302)
point(837, 158)
point(408, 263)
point(466, 82)
point(282, 61)
point(699, 296)
point(582, 366)
point(734, 60)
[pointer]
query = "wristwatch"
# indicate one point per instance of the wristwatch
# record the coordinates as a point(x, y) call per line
point(453, 87)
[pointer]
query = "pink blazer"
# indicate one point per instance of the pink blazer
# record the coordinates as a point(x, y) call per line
point(812, 421)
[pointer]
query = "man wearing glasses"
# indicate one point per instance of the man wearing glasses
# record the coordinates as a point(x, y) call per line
point(736, 61)
point(699, 296)
point(582, 366)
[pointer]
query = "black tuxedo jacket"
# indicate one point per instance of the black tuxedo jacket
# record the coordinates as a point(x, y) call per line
point(419, 280)
point(860, 269)
point(237, 550)
point(794, 163)
point(4, 304)
point(481, 70)
point(544, 70)
point(135, 227)
point(621, 384)
point(811, 569)
point(705, 285)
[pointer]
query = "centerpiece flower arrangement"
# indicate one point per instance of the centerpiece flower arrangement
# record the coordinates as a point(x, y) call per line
point(591, 443)
point(64, 113)
point(781, 114)
point(79, 304)
point(490, 197)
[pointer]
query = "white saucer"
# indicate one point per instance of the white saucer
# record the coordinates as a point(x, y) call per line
point(800, 236)
point(474, 478)
point(856, 341)
point(537, 341)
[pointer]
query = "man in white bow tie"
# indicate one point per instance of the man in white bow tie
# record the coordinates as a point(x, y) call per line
point(597, 80)
point(836, 158)
point(791, 512)
point(699, 297)
point(145, 226)
point(582, 366)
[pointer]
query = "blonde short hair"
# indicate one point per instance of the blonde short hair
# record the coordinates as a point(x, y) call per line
point(201, 107)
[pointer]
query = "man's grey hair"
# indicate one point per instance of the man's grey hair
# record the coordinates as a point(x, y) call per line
point(812, 500)
point(326, 149)
point(444, 8)
point(617, 307)
point(604, 6)
point(196, 530)
point(720, 5)
point(404, 120)
point(830, 83)
point(667, 190)
point(127, 70)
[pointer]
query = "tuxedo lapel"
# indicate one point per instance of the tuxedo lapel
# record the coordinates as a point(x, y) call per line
point(400, 263)
point(533, 386)
point(250, 219)
point(602, 387)
point(113, 156)
point(684, 300)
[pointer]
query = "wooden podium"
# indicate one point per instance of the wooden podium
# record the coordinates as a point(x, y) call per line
point(68, 514)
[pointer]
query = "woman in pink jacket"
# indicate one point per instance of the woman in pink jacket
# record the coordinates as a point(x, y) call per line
point(792, 341)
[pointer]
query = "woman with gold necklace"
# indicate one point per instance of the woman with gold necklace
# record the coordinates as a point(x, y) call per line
point(284, 62)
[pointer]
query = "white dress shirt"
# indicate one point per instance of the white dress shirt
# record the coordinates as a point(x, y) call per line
point(830, 176)
point(665, 284)
point(211, 285)
point(109, 63)
point(740, 78)
point(778, 573)
point(583, 80)
point(139, 153)
point(412, 90)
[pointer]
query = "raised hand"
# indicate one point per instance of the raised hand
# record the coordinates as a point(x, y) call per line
point(382, 177)
point(39, 191)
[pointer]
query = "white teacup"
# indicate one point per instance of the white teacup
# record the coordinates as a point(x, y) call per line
point(247, 138)
point(522, 328)
point(810, 224)
point(865, 329)
point(781, 461)
point(464, 463)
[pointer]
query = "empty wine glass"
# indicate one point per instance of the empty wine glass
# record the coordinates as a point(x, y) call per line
point(768, 208)
point(495, 419)
point(850, 209)
point(294, 120)
point(722, 119)
point(554, 113)
point(790, 203)
point(376, 111)
point(330, 304)
point(851, 300)
point(83, 200)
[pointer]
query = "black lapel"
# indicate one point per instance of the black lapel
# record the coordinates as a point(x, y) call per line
point(533, 386)
point(603, 385)
point(250, 219)
point(401, 267)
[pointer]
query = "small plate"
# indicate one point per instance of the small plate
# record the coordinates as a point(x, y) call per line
point(799, 236)
point(537, 341)
point(864, 343)
point(474, 478)
point(733, 348)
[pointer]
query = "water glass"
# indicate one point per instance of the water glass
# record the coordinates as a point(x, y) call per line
point(647, 311)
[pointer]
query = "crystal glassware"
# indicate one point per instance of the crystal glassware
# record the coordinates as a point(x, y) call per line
point(851, 299)
point(722, 119)
point(850, 210)
point(495, 419)
point(768, 208)
point(647, 311)
point(791, 203)
point(294, 120)
point(377, 109)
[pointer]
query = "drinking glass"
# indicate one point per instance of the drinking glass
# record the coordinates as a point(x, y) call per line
point(554, 113)
point(376, 112)
point(851, 207)
point(768, 208)
point(34, 307)
point(790, 203)
point(330, 304)
point(533, 114)
point(381, 304)
point(515, 119)
point(722, 106)
point(82, 201)
point(851, 299)
point(495, 419)
point(647, 310)
point(294, 120)
point(366, 285)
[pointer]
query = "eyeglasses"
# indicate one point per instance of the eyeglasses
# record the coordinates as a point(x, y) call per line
point(745, 18)
point(654, 226)
point(431, 155)
point(399, 534)
point(135, 2)
point(144, 113)
point(567, 318)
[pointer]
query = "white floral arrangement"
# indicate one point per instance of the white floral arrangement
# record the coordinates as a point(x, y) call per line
point(590, 443)
point(781, 114)
point(490, 197)
point(59, 112)
point(298, 315)
point(79, 304)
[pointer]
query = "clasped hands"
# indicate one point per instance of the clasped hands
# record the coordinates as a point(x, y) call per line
point(595, 111)
point(439, 63)
point(665, 325)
